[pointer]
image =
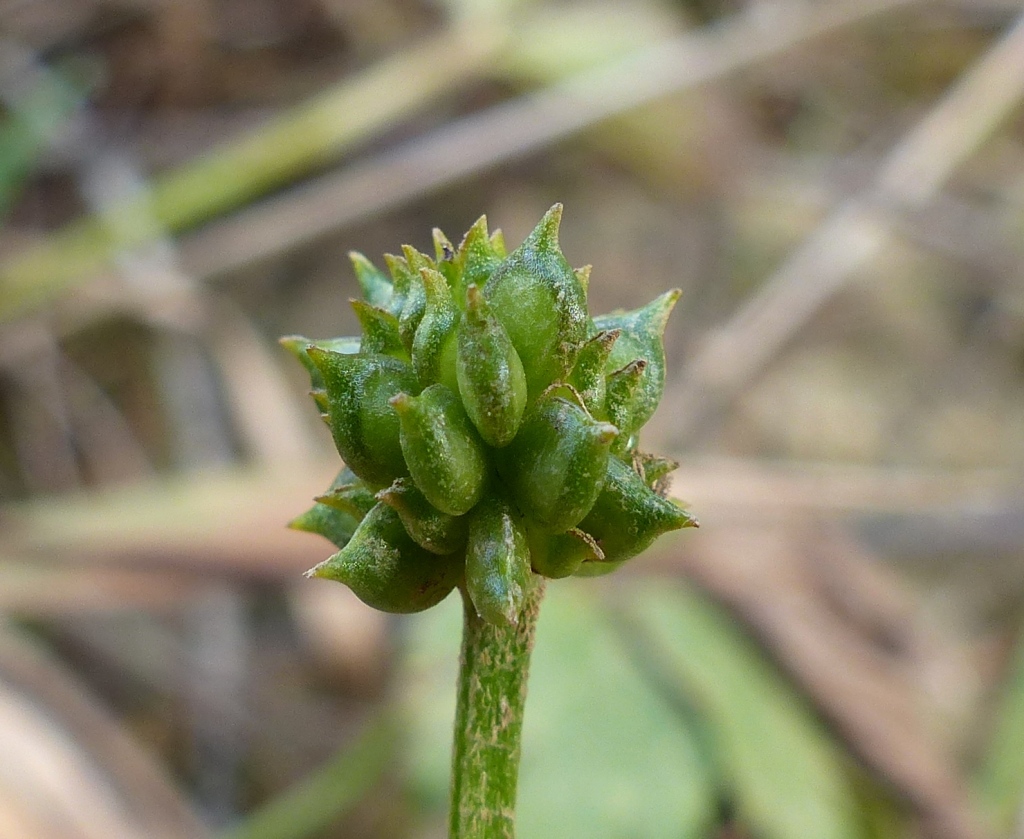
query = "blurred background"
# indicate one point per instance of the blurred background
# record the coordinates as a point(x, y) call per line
point(837, 186)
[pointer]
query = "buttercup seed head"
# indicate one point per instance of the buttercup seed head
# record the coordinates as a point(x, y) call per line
point(489, 426)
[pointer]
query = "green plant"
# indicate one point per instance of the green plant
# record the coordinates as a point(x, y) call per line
point(489, 428)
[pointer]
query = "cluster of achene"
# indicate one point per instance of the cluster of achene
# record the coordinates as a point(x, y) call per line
point(489, 426)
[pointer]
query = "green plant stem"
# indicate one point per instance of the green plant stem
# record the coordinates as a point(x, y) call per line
point(493, 670)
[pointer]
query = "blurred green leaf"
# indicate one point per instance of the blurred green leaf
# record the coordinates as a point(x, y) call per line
point(881, 815)
point(32, 122)
point(603, 754)
point(559, 41)
point(783, 773)
point(1001, 777)
point(326, 794)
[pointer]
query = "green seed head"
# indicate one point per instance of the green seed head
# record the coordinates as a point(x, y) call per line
point(489, 426)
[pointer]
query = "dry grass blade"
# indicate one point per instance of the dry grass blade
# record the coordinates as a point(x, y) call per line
point(69, 771)
point(912, 174)
point(736, 489)
point(217, 523)
point(510, 131)
point(30, 590)
point(261, 401)
point(302, 140)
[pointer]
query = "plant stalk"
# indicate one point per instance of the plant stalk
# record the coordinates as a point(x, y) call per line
point(493, 670)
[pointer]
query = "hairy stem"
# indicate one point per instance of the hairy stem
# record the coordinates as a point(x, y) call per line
point(493, 669)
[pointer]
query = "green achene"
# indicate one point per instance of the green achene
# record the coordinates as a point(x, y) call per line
point(498, 576)
point(445, 456)
point(386, 569)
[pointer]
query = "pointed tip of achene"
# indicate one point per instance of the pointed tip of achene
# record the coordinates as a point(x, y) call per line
point(661, 307)
point(583, 276)
point(298, 523)
point(332, 568)
point(402, 402)
point(361, 264)
point(434, 283)
point(497, 241)
point(605, 432)
point(398, 267)
point(633, 370)
point(687, 518)
point(374, 284)
point(416, 259)
point(318, 355)
point(295, 344)
point(604, 340)
point(545, 235)
point(318, 571)
point(677, 517)
point(362, 309)
point(444, 250)
point(476, 235)
point(328, 363)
